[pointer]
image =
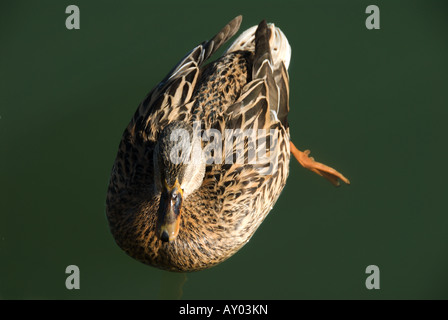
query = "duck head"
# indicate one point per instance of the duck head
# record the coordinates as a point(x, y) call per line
point(179, 169)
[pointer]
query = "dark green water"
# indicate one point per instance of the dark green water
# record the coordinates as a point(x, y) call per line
point(372, 103)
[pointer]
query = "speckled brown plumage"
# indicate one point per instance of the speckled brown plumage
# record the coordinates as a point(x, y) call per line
point(243, 89)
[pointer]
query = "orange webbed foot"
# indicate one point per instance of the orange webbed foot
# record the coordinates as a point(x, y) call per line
point(325, 171)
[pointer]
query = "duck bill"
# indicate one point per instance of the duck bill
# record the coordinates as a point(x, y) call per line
point(169, 212)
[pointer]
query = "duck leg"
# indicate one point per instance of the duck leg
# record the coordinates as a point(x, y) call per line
point(325, 171)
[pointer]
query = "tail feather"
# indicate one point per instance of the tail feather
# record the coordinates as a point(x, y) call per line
point(263, 66)
point(222, 36)
point(280, 48)
point(272, 55)
point(263, 57)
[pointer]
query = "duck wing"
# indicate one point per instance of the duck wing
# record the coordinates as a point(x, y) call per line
point(169, 100)
point(132, 171)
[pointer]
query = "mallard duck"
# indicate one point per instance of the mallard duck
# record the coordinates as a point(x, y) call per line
point(190, 215)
